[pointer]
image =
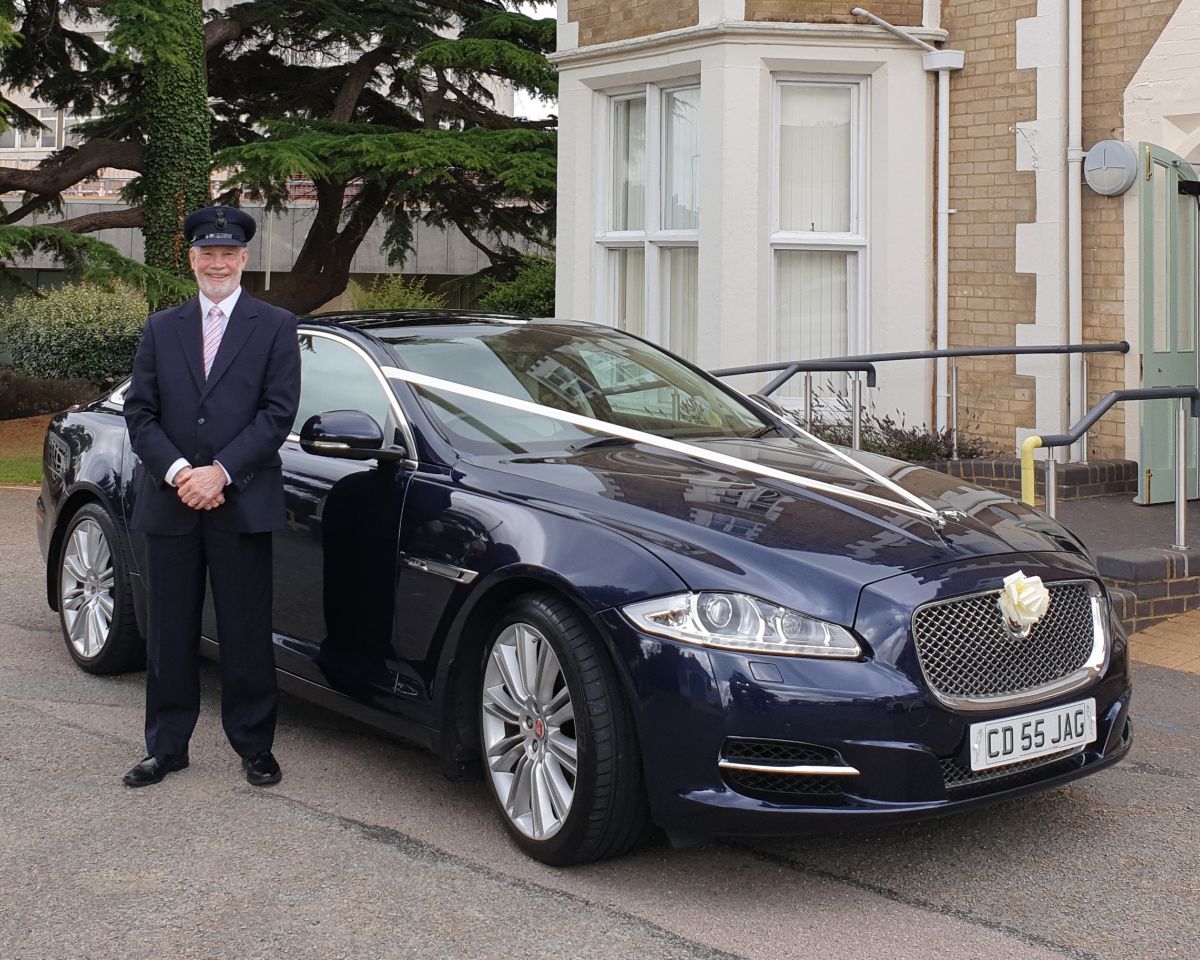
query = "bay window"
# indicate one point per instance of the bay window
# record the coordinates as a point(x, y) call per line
point(650, 216)
point(818, 234)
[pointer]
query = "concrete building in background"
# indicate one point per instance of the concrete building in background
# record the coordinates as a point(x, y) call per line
point(757, 180)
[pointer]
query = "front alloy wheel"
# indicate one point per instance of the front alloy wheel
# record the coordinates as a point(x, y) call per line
point(95, 602)
point(529, 731)
point(557, 736)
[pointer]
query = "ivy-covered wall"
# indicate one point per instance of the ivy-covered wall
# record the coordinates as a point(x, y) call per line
point(178, 154)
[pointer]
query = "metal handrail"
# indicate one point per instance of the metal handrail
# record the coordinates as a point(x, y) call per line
point(1189, 406)
point(790, 368)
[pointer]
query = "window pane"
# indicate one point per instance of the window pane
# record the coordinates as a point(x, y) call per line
point(815, 158)
point(681, 160)
point(49, 120)
point(814, 304)
point(1160, 183)
point(628, 164)
point(1185, 273)
point(629, 290)
point(8, 139)
point(679, 292)
point(73, 139)
point(334, 377)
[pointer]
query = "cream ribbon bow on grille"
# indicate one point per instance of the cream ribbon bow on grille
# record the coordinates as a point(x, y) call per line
point(1024, 600)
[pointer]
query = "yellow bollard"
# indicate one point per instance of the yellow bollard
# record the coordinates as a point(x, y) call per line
point(1028, 476)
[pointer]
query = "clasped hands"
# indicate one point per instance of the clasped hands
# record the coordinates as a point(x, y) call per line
point(201, 488)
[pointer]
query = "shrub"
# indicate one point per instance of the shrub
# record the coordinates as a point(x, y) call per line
point(529, 293)
point(886, 436)
point(394, 292)
point(80, 331)
point(915, 444)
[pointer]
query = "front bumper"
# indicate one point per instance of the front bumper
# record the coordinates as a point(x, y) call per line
point(874, 715)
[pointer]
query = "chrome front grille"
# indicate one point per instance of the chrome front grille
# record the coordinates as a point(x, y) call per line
point(971, 660)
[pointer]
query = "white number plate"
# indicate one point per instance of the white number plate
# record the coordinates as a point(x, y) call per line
point(1013, 739)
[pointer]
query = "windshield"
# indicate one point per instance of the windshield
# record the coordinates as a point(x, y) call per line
point(603, 374)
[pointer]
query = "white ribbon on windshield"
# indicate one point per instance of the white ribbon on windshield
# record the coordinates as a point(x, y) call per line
point(916, 506)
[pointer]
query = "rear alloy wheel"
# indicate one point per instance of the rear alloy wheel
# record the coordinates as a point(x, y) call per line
point(95, 602)
point(557, 737)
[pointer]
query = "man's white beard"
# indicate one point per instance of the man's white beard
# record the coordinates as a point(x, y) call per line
point(216, 293)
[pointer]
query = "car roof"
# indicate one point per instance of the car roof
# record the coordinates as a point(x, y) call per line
point(378, 321)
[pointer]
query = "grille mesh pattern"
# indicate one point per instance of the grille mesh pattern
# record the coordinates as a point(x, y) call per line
point(957, 774)
point(748, 781)
point(776, 751)
point(966, 650)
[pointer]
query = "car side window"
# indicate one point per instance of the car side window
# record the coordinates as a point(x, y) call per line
point(333, 376)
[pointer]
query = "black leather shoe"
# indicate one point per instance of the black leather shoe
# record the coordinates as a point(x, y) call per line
point(262, 769)
point(153, 769)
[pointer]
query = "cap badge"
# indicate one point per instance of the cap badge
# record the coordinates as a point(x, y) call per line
point(221, 220)
point(1023, 602)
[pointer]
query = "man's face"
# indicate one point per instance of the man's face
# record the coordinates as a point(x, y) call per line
point(218, 269)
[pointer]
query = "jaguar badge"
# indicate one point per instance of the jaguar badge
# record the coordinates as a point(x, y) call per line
point(1023, 602)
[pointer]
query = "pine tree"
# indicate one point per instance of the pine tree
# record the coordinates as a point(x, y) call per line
point(386, 106)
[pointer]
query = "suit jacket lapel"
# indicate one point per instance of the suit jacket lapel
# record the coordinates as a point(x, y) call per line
point(236, 331)
point(191, 338)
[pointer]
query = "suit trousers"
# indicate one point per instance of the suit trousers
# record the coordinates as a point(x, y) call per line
point(238, 565)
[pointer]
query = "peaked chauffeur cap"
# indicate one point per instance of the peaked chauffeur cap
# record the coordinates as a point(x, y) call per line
point(218, 226)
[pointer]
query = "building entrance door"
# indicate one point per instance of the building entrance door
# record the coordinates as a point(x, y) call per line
point(1168, 317)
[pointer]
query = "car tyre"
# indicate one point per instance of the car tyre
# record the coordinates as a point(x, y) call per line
point(95, 599)
point(557, 737)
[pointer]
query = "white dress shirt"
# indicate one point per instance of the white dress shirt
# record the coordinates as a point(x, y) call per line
point(226, 306)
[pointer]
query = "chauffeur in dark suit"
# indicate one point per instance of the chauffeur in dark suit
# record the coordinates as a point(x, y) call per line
point(216, 383)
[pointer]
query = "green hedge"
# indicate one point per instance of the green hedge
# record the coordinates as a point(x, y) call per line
point(394, 292)
point(529, 293)
point(79, 331)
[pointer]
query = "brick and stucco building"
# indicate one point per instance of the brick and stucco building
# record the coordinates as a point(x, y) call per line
point(756, 180)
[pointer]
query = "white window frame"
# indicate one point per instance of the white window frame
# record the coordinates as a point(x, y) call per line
point(856, 240)
point(652, 239)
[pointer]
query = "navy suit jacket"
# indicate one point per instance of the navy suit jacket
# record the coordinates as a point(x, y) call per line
point(238, 416)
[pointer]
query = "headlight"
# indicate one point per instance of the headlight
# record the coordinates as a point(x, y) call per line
point(734, 621)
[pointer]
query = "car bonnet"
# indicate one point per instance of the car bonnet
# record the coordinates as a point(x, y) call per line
point(719, 528)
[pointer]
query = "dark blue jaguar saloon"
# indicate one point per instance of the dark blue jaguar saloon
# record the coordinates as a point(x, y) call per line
point(626, 594)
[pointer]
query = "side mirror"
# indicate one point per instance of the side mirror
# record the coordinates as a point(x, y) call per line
point(349, 434)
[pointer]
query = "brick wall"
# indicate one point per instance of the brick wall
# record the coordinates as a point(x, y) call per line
point(602, 21)
point(987, 297)
point(1116, 38)
point(903, 12)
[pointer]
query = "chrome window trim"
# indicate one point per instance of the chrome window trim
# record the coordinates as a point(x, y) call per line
point(117, 397)
point(1091, 670)
point(410, 443)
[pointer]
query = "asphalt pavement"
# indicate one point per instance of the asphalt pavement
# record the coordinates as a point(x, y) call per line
point(364, 851)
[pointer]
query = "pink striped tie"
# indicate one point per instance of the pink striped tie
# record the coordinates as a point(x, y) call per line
point(212, 337)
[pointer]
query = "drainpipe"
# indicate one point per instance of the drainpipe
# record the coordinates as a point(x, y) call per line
point(1078, 401)
point(942, 62)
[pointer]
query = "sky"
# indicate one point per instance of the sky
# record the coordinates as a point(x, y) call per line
point(525, 105)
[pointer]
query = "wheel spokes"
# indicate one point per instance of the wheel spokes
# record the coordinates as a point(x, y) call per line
point(506, 658)
point(498, 703)
point(524, 705)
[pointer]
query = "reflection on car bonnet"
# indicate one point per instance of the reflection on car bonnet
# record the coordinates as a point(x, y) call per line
point(908, 502)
